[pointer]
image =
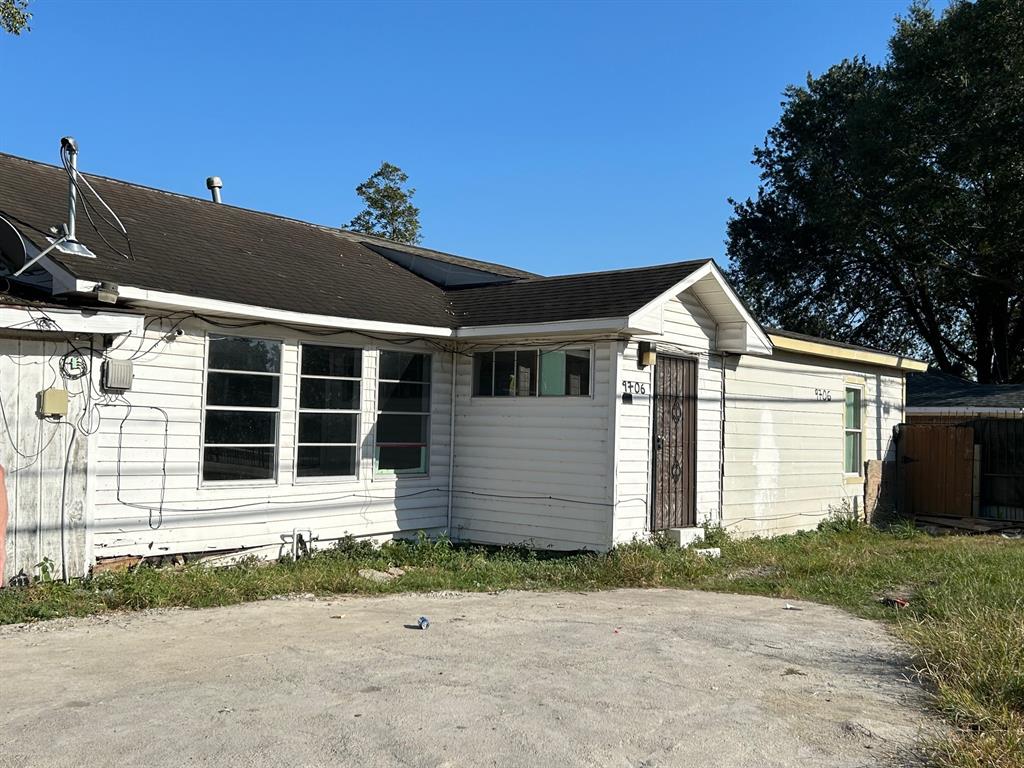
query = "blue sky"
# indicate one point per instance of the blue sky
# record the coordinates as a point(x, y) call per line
point(557, 137)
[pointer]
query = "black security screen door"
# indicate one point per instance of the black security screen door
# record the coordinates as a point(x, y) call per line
point(675, 443)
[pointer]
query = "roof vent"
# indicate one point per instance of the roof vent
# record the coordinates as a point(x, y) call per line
point(67, 242)
point(214, 184)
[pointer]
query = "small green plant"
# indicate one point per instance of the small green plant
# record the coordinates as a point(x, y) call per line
point(841, 518)
point(46, 568)
point(715, 535)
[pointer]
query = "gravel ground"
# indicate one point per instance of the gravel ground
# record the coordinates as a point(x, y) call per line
point(625, 678)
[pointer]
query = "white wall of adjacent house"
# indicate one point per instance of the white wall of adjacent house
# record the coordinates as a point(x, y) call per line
point(148, 492)
point(688, 330)
point(785, 438)
point(536, 470)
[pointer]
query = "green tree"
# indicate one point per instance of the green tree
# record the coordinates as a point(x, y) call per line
point(891, 205)
point(389, 211)
point(14, 16)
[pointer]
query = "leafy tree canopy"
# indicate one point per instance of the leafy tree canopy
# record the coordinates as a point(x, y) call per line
point(891, 206)
point(389, 211)
point(14, 16)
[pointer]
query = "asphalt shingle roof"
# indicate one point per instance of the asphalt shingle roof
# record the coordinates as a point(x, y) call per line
point(195, 247)
point(566, 297)
point(940, 390)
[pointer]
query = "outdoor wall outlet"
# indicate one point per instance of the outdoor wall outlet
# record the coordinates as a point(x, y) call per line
point(53, 403)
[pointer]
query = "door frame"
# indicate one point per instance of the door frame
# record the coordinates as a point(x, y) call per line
point(653, 495)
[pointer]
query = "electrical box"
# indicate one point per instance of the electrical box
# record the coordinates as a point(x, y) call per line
point(117, 375)
point(53, 403)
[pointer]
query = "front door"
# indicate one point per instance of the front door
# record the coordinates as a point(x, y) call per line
point(675, 443)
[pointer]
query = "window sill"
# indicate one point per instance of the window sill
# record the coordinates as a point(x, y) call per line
point(333, 480)
point(853, 480)
point(402, 476)
point(238, 483)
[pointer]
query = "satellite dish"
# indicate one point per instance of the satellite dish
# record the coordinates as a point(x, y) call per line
point(13, 247)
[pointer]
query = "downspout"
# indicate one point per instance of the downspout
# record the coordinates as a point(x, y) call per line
point(721, 444)
point(3, 524)
point(451, 441)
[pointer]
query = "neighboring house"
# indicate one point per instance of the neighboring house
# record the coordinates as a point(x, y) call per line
point(293, 383)
point(939, 398)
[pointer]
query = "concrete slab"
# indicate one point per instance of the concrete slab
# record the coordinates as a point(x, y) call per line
point(624, 678)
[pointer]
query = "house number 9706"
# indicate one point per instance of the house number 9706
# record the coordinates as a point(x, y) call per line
point(823, 394)
point(634, 387)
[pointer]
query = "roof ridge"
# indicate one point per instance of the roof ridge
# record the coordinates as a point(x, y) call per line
point(649, 267)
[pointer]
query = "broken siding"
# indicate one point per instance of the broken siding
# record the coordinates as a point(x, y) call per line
point(784, 438)
point(535, 470)
point(197, 516)
point(43, 499)
point(687, 330)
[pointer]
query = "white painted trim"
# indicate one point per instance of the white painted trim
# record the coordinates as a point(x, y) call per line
point(687, 282)
point(160, 300)
point(15, 317)
point(962, 411)
point(612, 324)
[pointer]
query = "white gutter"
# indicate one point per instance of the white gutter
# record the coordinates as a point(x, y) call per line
point(177, 301)
point(590, 325)
point(18, 317)
point(451, 441)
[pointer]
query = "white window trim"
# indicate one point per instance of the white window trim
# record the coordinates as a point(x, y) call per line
point(299, 410)
point(859, 474)
point(268, 481)
point(385, 474)
point(538, 396)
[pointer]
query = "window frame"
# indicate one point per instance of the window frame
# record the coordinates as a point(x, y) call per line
point(299, 410)
point(854, 386)
point(539, 351)
point(275, 477)
point(378, 381)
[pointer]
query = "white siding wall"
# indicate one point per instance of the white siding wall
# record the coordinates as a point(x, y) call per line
point(688, 330)
point(197, 516)
point(523, 447)
point(784, 445)
point(43, 499)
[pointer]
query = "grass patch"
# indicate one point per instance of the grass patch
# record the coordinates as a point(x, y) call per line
point(965, 617)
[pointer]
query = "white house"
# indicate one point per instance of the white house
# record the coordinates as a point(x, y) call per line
point(241, 380)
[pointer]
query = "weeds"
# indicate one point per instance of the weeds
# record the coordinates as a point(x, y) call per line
point(965, 618)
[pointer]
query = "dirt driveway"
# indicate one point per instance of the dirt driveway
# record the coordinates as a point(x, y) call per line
point(624, 678)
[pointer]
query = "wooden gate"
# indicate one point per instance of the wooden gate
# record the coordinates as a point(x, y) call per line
point(936, 470)
point(675, 443)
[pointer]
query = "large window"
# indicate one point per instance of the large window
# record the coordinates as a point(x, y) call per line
point(528, 373)
point(852, 425)
point(329, 379)
point(243, 397)
point(403, 413)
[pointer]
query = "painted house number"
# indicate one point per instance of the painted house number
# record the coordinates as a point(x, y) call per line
point(823, 394)
point(634, 387)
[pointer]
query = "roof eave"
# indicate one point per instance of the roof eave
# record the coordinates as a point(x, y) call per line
point(144, 297)
point(835, 352)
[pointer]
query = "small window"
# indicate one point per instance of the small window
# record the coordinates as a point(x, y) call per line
point(522, 373)
point(243, 393)
point(329, 381)
point(852, 426)
point(403, 413)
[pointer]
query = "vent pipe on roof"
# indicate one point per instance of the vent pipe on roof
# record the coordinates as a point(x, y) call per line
point(70, 146)
point(214, 184)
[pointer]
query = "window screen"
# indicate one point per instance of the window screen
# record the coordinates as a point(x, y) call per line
point(527, 373)
point(403, 413)
point(243, 393)
point(852, 426)
point(329, 401)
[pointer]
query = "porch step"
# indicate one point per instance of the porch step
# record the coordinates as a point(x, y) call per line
point(684, 537)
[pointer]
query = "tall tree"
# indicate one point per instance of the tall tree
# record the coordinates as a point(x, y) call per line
point(14, 16)
point(891, 204)
point(389, 211)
